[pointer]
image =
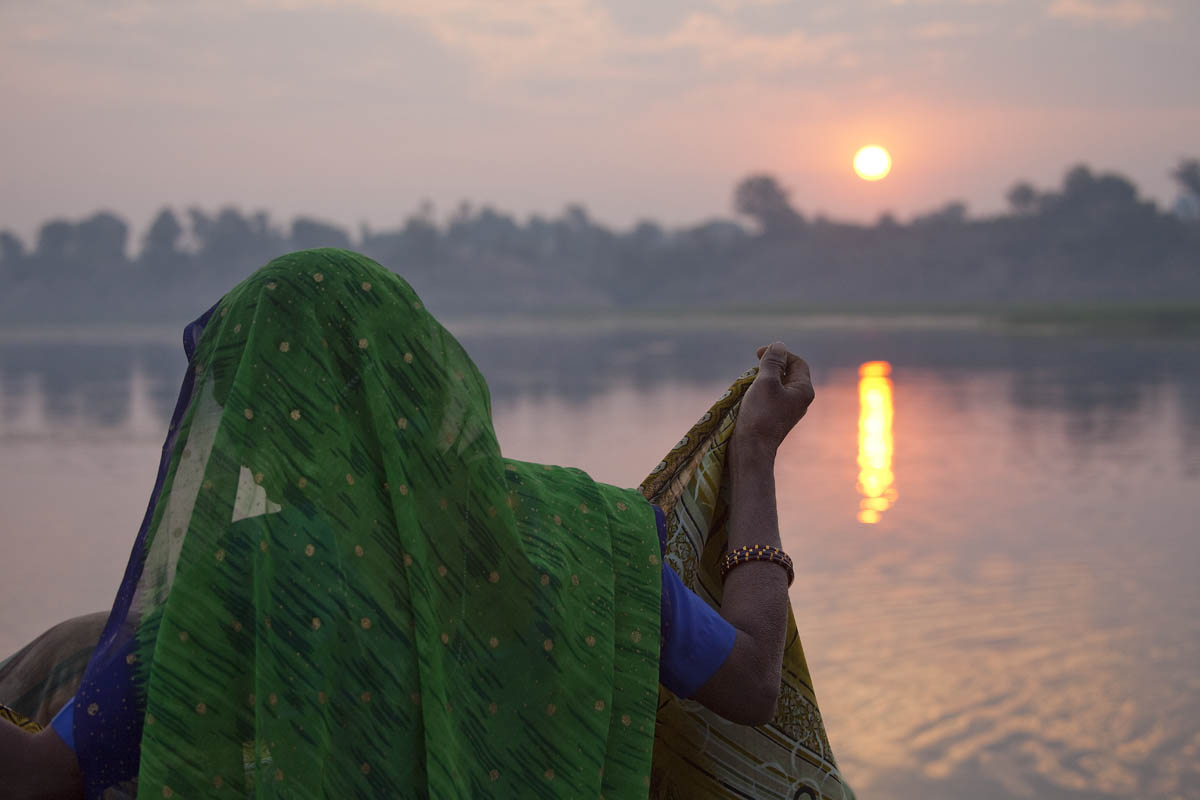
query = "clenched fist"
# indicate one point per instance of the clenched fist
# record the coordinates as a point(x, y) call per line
point(775, 402)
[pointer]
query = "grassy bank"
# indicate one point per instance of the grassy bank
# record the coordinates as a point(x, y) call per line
point(1181, 319)
point(1174, 320)
point(1147, 319)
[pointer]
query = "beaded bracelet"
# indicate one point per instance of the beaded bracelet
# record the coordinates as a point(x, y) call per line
point(757, 552)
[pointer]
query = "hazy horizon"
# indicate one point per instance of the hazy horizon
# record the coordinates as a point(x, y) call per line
point(357, 112)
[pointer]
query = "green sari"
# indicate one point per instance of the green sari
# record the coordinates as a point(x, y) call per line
point(346, 591)
point(342, 589)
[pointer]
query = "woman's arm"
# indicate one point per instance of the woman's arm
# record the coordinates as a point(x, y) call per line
point(745, 689)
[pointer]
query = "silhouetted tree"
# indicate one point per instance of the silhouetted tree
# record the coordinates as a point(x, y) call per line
point(421, 238)
point(486, 230)
point(1023, 198)
point(101, 239)
point(576, 217)
point(762, 199)
point(233, 243)
point(1188, 176)
point(409, 248)
point(260, 226)
point(12, 249)
point(953, 213)
point(308, 233)
point(1097, 199)
point(647, 235)
point(13, 266)
point(161, 244)
point(56, 243)
point(1078, 182)
point(1090, 238)
point(462, 213)
point(1114, 192)
point(716, 234)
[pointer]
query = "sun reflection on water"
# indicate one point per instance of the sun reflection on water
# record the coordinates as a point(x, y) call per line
point(876, 481)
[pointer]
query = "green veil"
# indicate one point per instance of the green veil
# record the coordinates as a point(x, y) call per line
point(345, 590)
point(342, 589)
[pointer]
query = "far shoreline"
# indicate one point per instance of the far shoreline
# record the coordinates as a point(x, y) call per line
point(1172, 320)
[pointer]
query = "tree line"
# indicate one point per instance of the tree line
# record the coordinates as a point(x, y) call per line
point(1091, 239)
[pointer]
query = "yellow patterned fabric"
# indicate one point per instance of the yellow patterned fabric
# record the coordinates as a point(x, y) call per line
point(20, 720)
point(697, 754)
point(42, 676)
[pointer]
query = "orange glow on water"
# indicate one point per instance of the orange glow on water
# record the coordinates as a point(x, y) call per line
point(875, 369)
point(876, 481)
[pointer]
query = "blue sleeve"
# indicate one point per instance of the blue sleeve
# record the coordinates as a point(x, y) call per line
point(64, 723)
point(696, 640)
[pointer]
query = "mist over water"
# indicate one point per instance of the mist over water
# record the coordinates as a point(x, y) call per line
point(1019, 619)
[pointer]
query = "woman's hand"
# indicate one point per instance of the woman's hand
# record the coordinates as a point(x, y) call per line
point(775, 402)
point(745, 689)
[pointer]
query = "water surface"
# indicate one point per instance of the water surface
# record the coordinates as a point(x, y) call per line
point(994, 534)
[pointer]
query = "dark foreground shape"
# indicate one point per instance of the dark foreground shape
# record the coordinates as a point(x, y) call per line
point(42, 676)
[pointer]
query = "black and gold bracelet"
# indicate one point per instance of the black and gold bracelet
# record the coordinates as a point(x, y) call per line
point(757, 552)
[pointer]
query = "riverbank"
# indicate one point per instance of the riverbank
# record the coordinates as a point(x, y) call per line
point(1181, 319)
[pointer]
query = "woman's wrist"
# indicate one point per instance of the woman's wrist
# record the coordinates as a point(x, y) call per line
point(752, 452)
point(753, 520)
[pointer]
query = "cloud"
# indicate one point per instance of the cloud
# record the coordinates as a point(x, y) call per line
point(573, 37)
point(737, 5)
point(714, 43)
point(580, 38)
point(1114, 12)
point(934, 31)
point(945, 2)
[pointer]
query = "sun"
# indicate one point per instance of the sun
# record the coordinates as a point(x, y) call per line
point(872, 163)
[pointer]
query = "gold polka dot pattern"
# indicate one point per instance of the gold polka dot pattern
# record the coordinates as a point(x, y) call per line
point(365, 562)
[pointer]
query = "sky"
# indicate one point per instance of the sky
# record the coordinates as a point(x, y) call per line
point(358, 110)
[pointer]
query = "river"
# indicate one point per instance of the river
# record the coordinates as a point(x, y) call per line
point(995, 531)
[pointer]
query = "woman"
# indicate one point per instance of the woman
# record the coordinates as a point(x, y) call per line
point(342, 589)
